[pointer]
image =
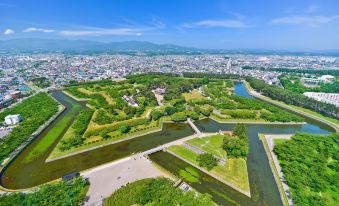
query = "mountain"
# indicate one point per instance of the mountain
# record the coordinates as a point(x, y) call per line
point(80, 46)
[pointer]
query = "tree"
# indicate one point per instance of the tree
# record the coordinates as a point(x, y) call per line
point(240, 131)
point(207, 160)
point(124, 129)
point(155, 115)
point(179, 117)
point(235, 147)
point(170, 110)
point(205, 80)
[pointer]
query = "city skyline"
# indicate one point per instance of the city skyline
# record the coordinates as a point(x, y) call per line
point(302, 25)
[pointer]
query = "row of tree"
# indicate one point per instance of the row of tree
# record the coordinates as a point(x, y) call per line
point(297, 71)
point(293, 98)
point(79, 127)
point(35, 111)
point(72, 192)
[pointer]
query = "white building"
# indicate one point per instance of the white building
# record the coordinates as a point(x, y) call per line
point(327, 78)
point(330, 98)
point(13, 119)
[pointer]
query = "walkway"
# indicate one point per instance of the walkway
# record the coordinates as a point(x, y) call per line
point(106, 179)
point(274, 102)
point(270, 143)
point(195, 128)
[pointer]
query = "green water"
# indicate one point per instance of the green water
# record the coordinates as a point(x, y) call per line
point(264, 190)
point(21, 174)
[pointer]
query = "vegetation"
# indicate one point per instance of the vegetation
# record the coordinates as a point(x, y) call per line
point(184, 98)
point(237, 145)
point(41, 82)
point(311, 171)
point(293, 98)
point(210, 144)
point(333, 72)
point(159, 191)
point(233, 172)
point(207, 160)
point(35, 111)
point(72, 192)
point(78, 129)
point(294, 84)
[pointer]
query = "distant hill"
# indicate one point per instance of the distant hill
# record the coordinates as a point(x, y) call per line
point(55, 45)
point(35, 45)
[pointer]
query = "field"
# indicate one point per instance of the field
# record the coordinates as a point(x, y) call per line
point(233, 172)
point(211, 145)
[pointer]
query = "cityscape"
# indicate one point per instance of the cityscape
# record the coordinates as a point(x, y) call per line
point(195, 103)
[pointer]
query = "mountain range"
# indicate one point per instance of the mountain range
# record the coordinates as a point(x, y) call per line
point(35, 45)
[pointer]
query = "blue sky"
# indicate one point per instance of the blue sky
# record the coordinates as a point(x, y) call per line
point(224, 24)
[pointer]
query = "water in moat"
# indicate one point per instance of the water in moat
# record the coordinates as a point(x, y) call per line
point(264, 190)
point(20, 175)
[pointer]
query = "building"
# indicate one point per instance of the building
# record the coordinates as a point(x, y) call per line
point(13, 119)
point(130, 101)
point(327, 78)
point(330, 98)
point(160, 91)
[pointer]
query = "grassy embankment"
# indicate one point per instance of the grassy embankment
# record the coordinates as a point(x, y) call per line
point(235, 170)
point(54, 133)
point(308, 111)
point(273, 167)
point(97, 141)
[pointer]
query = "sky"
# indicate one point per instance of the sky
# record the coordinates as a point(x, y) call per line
point(212, 24)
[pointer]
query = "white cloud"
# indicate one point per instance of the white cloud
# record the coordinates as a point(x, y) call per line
point(9, 32)
point(33, 29)
point(305, 20)
point(222, 23)
point(103, 31)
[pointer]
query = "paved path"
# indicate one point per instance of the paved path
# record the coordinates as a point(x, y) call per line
point(270, 143)
point(274, 102)
point(195, 128)
point(106, 179)
point(159, 98)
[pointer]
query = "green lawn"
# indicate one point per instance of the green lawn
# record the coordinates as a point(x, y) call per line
point(185, 153)
point(53, 134)
point(234, 172)
point(212, 144)
point(194, 95)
